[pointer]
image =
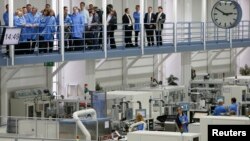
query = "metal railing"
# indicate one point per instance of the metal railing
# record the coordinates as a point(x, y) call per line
point(92, 37)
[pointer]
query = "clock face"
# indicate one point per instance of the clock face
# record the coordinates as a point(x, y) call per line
point(226, 14)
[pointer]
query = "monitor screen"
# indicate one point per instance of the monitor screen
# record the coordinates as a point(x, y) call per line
point(184, 106)
point(142, 112)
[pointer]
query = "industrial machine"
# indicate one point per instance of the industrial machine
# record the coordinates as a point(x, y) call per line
point(241, 93)
point(162, 136)
point(123, 104)
point(220, 120)
point(30, 103)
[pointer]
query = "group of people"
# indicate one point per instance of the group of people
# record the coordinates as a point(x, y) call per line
point(82, 28)
point(220, 109)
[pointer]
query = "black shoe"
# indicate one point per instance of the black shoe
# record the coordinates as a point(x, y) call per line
point(149, 44)
point(153, 44)
point(136, 45)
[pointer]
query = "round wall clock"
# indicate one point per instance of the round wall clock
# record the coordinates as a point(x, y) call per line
point(226, 14)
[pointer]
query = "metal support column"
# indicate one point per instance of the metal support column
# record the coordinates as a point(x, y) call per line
point(104, 20)
point(61, 19)
point(11, 24)
point(142, 25)
point(175, 23)
point(204, 20)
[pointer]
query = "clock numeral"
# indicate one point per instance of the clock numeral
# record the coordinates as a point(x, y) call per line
point(225, 24)
point(216, 19)
point(220, 4)
point(219, 23)
point(231, 4)
point(234, 19)
point(215, 13)
point(235, 13)
point(231, 23)
point(234, 7)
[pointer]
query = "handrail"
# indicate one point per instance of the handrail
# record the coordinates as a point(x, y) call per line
point(78, 114)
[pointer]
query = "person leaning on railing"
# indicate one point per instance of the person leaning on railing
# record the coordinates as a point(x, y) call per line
point(33, 20)
point(78, 24)
point(149, 21)
point(48, 31)
point(111, 27)
point(160, 20)
point(94, 29)
point(19, 21)
point(137, 26)
point(67, 29)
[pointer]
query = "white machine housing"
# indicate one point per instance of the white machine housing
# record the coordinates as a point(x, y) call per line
point(241, 80)
point(220, 120)
point(162, 136)
point(132, 96)
point(230, 91)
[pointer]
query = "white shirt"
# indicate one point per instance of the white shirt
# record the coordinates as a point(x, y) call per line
point(130, 22)
point(149, 17)
point(158, 17)
point(90, 20)
point(85, 13)
point(109, 18)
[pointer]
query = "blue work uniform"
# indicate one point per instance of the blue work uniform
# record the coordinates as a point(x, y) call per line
point(140, 127)
point(6, 18)
point(136, 16)
point(233, 108)
point(219, 110)
point(33, 20)
point(21, 23)
point(50, 29)
point(184, 121)
point(67, 25)
point(78, 22)
point(42, 23)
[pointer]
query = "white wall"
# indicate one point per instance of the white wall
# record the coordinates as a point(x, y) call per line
point(77, 73)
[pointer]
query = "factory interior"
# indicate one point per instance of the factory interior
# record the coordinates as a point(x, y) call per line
point(166, 75)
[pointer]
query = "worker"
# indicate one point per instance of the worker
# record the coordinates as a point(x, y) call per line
point(139, 118)
point(233, 108)
point(220, 109)
point(182, 120)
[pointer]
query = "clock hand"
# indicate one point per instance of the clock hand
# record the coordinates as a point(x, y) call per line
point(221, 11)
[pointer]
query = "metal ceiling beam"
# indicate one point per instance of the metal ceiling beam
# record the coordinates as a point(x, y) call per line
point(133, 62)
point(12, 73)
point(215, 56)
point(241, 51)
point(59, 68)
point(162, 61)
point(100, 63)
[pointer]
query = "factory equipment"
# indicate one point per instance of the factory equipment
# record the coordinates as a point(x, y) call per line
point(237, 80)
point(128, 101)
point(30, 103)
point(204, 94)
point(220, 120)
point(241, 93)
point(162, 136)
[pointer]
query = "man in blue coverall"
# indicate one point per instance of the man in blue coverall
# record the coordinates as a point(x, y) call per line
point(233, 108)
point(219, 109)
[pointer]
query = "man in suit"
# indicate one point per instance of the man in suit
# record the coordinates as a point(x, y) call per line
point(94, 28)
point(112, 26)
point(160, 20)
point(128, 27)
point(149, 21)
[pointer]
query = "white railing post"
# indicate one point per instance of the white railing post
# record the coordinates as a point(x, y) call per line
point(142, 24)
point(61, 19)
point(11, 24)
point(104, 21)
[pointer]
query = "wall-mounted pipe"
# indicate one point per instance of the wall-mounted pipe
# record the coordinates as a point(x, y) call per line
point(78, 114)
point(139, 102)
